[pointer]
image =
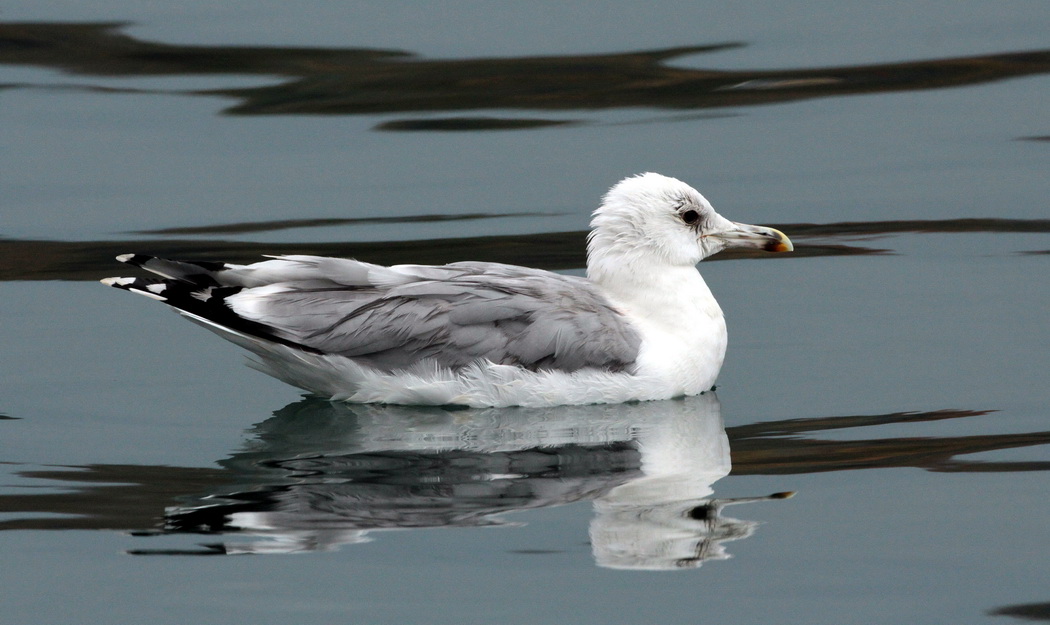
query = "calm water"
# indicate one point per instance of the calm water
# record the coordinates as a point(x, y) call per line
point(892, 373)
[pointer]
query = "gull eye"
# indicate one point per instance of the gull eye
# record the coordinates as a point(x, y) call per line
point(691, 217)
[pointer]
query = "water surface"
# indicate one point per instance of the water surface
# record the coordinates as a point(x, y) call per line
point(891, 373)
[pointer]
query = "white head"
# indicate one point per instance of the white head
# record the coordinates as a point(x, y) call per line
point(660, 221)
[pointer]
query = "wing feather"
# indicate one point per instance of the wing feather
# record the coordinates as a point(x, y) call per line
point(392, 317)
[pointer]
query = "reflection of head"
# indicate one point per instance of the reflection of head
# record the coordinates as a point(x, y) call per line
point(674, 535)
point(661, 520)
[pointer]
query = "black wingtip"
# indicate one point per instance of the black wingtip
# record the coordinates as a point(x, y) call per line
point(206, 303)
point(199, 273)
point(136, 260)
point(153, 289)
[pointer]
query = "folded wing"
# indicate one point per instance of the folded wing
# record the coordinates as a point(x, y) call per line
point(392, 317)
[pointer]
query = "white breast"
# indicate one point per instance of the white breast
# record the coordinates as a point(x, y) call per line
point(682, 327)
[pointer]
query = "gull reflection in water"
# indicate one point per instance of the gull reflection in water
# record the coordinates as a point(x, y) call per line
point(319, 475)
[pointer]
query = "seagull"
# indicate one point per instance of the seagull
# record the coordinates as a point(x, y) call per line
point(642, 325)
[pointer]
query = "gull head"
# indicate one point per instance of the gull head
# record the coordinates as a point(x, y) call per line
point(662, 221)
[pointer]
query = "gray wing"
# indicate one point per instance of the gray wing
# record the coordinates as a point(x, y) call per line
point(391, 317)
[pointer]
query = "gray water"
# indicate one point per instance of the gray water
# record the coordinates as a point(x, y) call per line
point(891, 373)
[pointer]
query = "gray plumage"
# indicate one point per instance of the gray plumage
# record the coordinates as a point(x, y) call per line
point(389, 318)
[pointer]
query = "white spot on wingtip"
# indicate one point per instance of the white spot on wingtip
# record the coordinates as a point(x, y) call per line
point(124, 257)
point(151, 291)
point(117, 281)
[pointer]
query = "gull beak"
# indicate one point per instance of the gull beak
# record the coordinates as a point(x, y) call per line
point(755, 237)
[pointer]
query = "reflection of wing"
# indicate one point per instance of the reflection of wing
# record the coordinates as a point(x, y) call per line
point(321, 474)
point(340, 499)
point(391, 317)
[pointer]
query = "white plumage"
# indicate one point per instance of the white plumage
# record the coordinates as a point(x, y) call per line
point(643, 324)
